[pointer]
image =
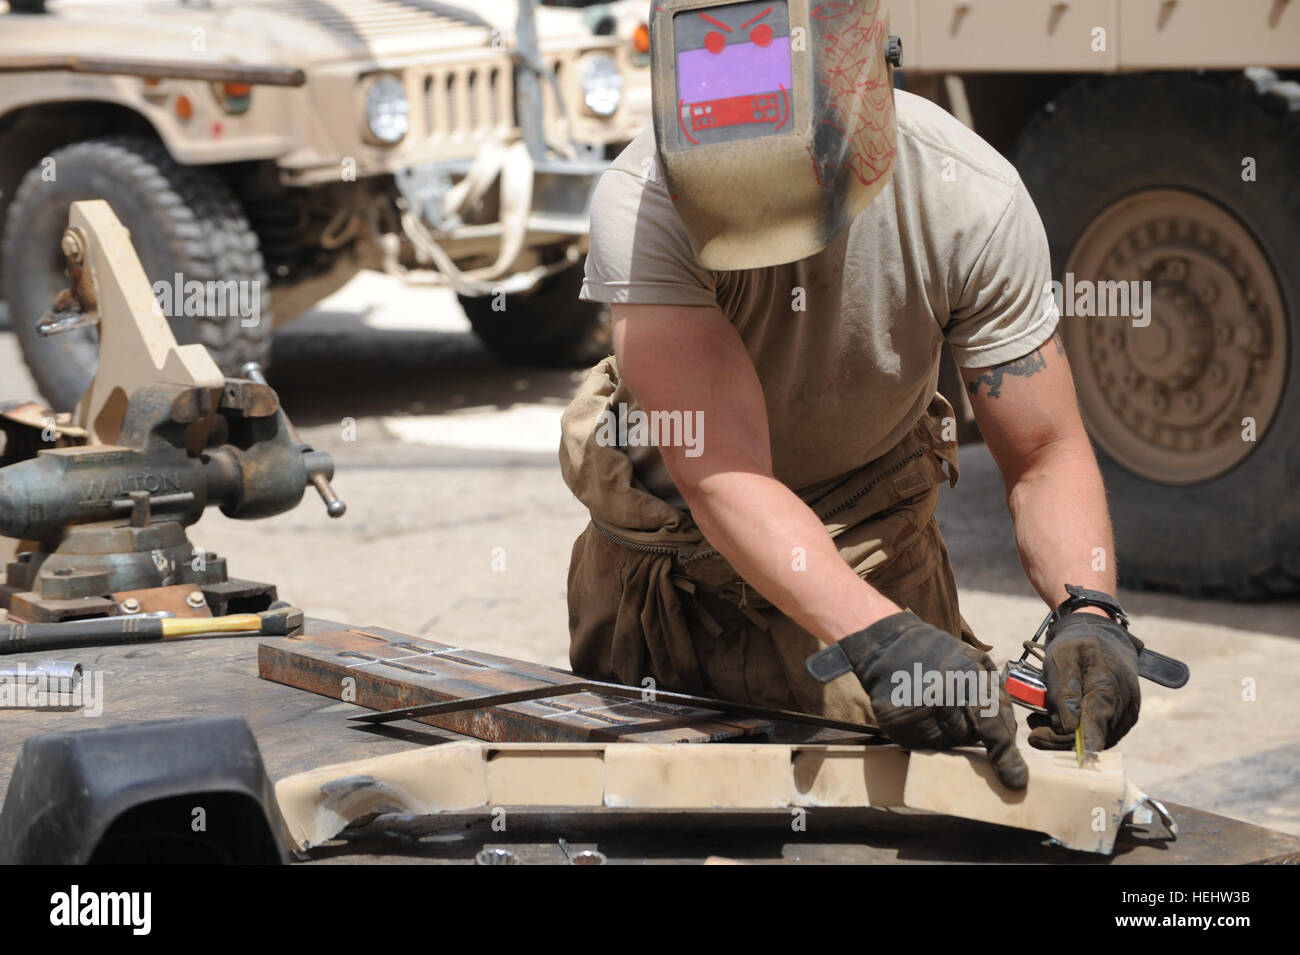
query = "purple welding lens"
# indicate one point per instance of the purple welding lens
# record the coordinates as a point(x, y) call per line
point(733, 71)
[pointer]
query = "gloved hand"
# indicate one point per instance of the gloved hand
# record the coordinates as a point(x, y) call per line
point(895, 645)
point(1091, 671)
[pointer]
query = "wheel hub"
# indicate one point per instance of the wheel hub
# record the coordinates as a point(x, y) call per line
point(1181, 393)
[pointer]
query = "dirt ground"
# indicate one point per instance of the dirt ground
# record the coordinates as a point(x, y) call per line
point(447, 462)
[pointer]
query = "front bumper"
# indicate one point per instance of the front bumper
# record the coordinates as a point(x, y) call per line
point(561, 197)
point(528, 217)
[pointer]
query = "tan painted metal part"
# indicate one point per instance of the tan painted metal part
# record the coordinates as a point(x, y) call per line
point(1027, 36)
point(136, 345)
point(38, 417)
point(1080, 808)
point(455, 63)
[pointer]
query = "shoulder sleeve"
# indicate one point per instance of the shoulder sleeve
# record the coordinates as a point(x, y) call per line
point(1006, 308)
point(640, 252)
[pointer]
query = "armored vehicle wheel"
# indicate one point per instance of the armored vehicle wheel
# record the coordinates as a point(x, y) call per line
point(548, 326)
point(183, 221)
point(1186, 183)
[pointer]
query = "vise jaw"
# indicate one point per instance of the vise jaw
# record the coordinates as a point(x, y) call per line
point(110, 518)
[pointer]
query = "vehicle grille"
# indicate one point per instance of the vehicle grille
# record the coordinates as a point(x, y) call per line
point(455, 104)
point(550, 109)
point(464, 102)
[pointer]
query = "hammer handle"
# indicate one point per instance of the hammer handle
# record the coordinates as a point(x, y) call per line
point(193, 626)
point(99, 632)
point(111, 631)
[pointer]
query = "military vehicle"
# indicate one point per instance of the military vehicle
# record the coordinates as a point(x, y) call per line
point(261, 152)
point(1160, 140)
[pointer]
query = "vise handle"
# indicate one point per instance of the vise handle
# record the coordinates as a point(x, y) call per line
point(315, 462)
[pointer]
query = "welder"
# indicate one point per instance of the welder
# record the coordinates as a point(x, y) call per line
point(785, 254)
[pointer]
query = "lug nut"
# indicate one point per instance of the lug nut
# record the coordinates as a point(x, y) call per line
point(195, 599)
point(71, 244)
point(894, 50)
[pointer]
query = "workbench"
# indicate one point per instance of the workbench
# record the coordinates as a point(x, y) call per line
point(297, 731)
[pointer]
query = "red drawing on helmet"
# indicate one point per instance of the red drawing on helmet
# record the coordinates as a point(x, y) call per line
point(858, 83)
point(771, 108)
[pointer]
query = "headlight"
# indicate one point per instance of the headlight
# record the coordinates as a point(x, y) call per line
point(387, 109)
point(602, 85)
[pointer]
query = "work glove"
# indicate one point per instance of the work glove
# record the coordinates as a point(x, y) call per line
point(1091, 670)
point(884, 657)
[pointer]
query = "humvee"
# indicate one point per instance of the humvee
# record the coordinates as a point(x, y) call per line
point(261, 152)
point(1160, 140)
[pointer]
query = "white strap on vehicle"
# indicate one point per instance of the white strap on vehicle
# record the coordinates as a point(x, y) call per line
point(506, 158)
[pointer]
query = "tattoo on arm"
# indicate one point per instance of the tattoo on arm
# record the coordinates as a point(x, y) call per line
point(1025, 367)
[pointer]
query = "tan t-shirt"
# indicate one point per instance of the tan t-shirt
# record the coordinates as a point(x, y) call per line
point(953, 249)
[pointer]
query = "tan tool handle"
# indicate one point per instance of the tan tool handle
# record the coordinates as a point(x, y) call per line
point(190, 626)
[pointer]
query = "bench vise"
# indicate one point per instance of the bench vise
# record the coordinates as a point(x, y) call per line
point(160, 437)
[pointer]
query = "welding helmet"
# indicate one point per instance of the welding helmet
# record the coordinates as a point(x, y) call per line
point(774, 121)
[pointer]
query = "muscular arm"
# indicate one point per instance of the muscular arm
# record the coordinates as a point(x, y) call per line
point(1028, 414)
point(689, 359)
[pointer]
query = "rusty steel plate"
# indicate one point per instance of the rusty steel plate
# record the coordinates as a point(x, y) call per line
point(383, 670)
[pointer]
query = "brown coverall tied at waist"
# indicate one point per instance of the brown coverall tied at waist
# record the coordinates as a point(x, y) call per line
point(649, 597)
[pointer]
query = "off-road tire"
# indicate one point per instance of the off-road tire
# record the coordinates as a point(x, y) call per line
point(182, 220)
point(1238, 533)
point(548, 326)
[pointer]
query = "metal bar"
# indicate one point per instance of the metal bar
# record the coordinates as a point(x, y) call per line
point(389, 669)
point(159, 69)
point(528, 90)
point(609, 689)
